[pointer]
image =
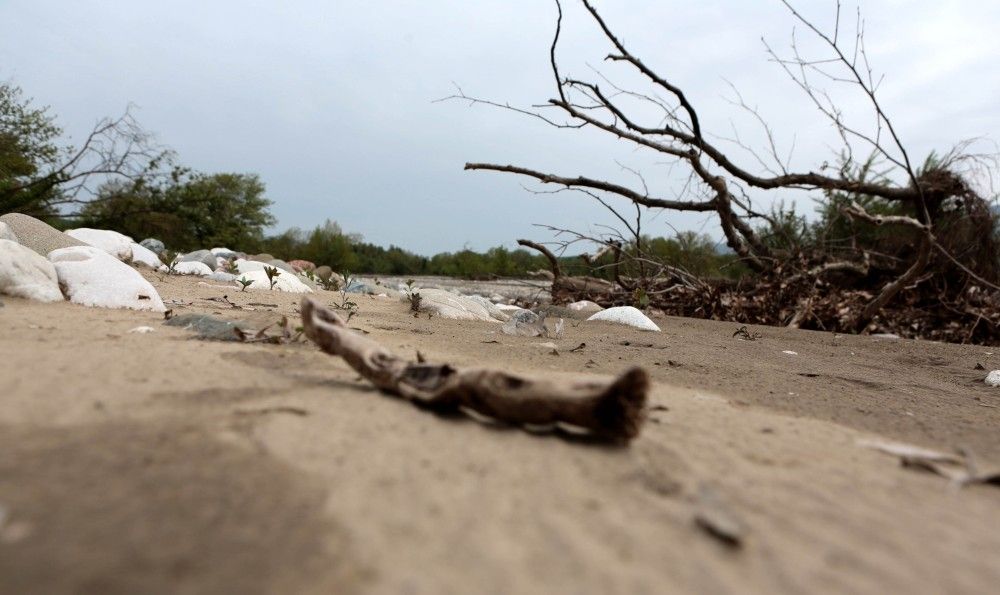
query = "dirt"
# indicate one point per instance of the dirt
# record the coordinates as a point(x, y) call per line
point(161, 463)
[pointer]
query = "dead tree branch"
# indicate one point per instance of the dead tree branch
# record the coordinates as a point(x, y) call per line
point(607, 409)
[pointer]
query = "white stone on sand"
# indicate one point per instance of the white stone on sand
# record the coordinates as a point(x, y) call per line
point(143, 255)
point(283, 282)
point(27, 274)
point(246, 266)
point(116, 244)
point(993, 378)
point(92, 277)
point(628, 316)
point(449, 305)
point(192, 267)
point(585, 306)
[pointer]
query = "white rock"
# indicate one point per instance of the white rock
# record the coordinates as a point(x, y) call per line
point(6, 233)
point(142, 330)
point(585, 306)
point(788, 352)
point(25, 273)
point(628, 316)
point(222, 276)
point(114, 243)
point(283, 282)
point(456, 307)
point(247, 266)
point(505, 308)
point(993, 378)
point(143, 255)
point(92, 277)
point(192, 267)
point(495, 312)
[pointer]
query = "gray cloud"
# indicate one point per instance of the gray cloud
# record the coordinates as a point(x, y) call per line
point(332, 102)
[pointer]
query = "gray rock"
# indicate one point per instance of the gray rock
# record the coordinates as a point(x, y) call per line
point(222, 276)
point(356, 286)
point(263, 257)
point(227, 253)
point(204, 256)
point(324, 272)
point(524, 317)
point(281, 264)
point(38, 235)
point(6, 233)
point(208, 327)
point(153, 244)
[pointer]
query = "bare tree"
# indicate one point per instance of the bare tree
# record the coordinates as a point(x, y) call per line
point(115, 149)
point(722, 186)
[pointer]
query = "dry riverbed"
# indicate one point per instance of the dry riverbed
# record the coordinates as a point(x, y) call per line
point(159, 463)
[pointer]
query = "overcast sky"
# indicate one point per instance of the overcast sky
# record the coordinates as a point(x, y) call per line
point(332, 102)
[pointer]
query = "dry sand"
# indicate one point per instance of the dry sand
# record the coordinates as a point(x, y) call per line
point(158, 463)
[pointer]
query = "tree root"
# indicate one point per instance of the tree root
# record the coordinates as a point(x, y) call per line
point(606, 409)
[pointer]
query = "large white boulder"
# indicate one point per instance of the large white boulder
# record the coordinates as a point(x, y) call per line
point(6, 233)
point(449, 305)
point(247, 266)
point(283, 282)
point(143, 255)
point(192, 267)
point(116, 244)
point(495, 312)
point(91, 277)
point(25, 273)
point(628, 316)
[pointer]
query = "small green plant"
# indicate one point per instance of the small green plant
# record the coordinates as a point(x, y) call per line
point(272, 275)
point(346, 304)
point(640, 299)
point(413, 296)
point(231, 267)
point(244, 282)
point(310, 275)
point(170, 258)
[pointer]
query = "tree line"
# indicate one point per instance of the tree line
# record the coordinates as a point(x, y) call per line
point(119, 179)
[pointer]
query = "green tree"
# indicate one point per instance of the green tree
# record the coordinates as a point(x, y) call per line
point(225, 209)
point(186, 211)
point(27, 148)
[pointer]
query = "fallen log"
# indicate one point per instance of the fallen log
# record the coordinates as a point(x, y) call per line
point(609, 409)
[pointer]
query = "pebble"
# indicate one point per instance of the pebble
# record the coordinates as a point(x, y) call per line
point(993, 378)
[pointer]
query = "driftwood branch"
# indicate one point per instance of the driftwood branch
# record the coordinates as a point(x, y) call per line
point(553, 261)
point(607, 409)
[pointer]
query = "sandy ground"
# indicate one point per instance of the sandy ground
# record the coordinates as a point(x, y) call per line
point(158, 463)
